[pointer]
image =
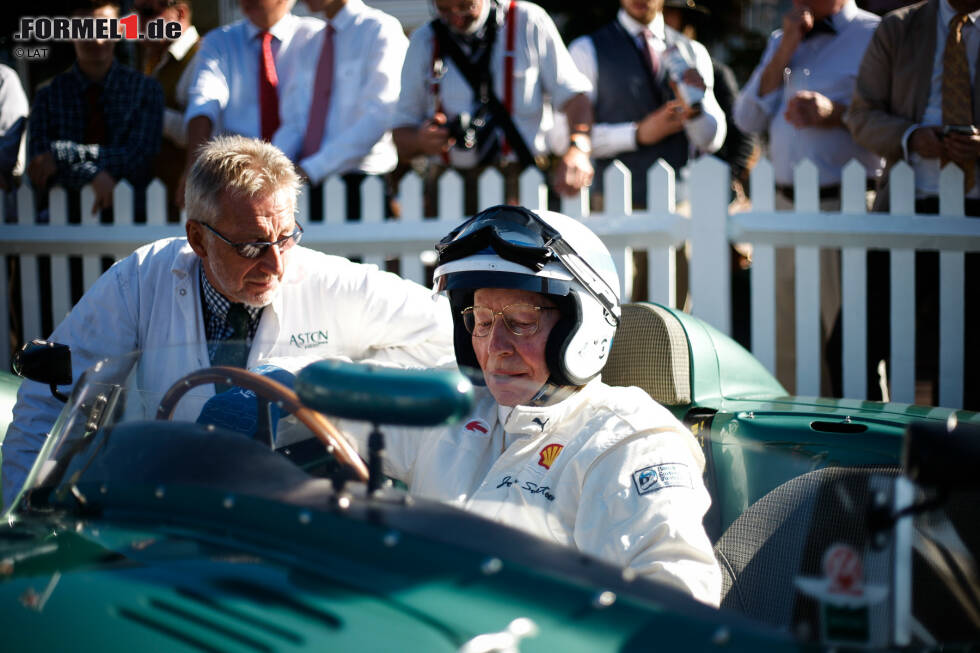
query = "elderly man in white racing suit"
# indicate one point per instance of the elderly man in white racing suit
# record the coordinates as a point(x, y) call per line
point(238, 268)
point(549, 448)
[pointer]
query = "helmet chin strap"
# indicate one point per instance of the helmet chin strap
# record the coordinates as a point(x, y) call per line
point(551, 393)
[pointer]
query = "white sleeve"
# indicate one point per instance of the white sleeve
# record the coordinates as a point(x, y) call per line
point(414, 98)
point(706, 132)
point(103, 324)
point(608, 139)
point(752, 113)
point(643, 502)
point(560, 77)
point(209, 89)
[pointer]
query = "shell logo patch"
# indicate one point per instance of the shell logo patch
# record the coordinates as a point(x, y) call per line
point(548, 454)
point(478, 426)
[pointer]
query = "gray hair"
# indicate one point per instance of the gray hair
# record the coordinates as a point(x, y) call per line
point(239, 166)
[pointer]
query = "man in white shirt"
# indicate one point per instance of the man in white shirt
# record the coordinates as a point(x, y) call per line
point(337, 108)
point(898, 111)
point(227, 95)
point(434, 93)
point(798, 94)
point(638, 118)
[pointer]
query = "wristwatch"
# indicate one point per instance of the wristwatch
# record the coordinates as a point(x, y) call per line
point(582, 142)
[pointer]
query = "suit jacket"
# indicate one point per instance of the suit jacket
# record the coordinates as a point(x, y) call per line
point(892, 88)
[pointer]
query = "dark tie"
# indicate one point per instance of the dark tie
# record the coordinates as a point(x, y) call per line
point(822, 26)
point(645, 37)
point(320, 106)
point(233, 350)
point(268, 89)
point(957, 95)
point(95, 115)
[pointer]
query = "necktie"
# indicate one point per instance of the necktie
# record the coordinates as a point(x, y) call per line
point(647, 36)
point(268, 89)
point(95, 115)
point(322, 87)
point(233, 350)
point(957, 94)
point(822, 26)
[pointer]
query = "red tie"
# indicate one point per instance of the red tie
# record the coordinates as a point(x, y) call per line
point(322, 87)
point(268, 85)
point(646, 36)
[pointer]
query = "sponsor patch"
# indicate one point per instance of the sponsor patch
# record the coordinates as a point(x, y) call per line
point(657, 477)
point(477, 426)
point(547, 456)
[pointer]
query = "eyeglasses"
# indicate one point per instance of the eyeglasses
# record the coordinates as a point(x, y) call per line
point(459, 8)
point(520, 319)
point(153, 9)
point(256, 249)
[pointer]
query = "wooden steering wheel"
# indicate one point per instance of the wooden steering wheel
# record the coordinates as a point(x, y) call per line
point(275, 392)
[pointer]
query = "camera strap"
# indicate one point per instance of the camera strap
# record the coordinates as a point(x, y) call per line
point(477, 75)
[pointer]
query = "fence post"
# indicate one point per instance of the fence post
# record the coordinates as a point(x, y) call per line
point(763, 276)
point(410, 199)
point(618, 201)
point(710, 272)
point(952, 278)
point(854, 295)
point(662, 265)
point(806, 292)
point(901, 188)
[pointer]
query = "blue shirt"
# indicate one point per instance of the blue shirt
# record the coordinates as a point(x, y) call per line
point(133, 106)
point(827, 64)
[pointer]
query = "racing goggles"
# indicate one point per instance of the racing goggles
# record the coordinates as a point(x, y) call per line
point(520, 236)
point(257, 248)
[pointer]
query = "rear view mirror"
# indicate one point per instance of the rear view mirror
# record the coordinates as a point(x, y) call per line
point(45, 362)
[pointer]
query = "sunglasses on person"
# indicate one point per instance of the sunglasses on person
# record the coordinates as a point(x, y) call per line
point(520, 319)
point(256, 249)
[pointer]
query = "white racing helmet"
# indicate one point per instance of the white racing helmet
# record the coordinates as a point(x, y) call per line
point(547, 253)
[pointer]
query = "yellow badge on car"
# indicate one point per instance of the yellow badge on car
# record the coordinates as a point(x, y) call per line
point(548, 455)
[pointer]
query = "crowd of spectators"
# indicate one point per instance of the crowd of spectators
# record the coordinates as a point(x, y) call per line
point(490, 83)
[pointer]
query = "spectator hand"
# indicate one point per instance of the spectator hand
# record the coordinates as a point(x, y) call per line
point(809, 109)
point(574, 172)
point(102, 184)
point(665, 121)
point(796, 23)
point(41, 168)
point(433, 136)
point(927, 142)
point(962, 147)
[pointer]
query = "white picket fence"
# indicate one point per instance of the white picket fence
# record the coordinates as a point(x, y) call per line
point(659, 230)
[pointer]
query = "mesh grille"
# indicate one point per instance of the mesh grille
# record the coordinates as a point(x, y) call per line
point(650, 351)
point(760, 553)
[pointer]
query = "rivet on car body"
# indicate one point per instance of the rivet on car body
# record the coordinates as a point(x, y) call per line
point(629, 575)
point(229, 502)
point(721, 637)
point(391, 538)
point(603, 599)
point(305, 517)
point(343, 502)
point(103, 489)
point(160, 492)
point(491, 566)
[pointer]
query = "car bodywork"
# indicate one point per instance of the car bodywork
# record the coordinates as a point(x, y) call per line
point(174, 536)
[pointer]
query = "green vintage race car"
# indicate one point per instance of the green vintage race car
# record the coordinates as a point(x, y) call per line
point(840, 524)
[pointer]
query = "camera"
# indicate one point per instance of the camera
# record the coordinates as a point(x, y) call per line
point(463, 131)
point(477, 142)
